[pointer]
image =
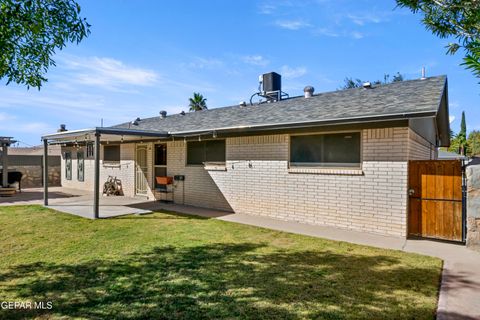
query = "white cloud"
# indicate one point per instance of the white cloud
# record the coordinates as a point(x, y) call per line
point(292, 24)
point(204, 63)
point(292, 73)
point(5, 116)
point(267, 8)
point(451, 119)
point(325, 32)
point(109, 73)
point(357, 35)
point(364, 18)
point(256, 60)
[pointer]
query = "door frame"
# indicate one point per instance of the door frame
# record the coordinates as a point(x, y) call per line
point(141, 146)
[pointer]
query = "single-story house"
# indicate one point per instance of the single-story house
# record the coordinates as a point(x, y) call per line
point(336, 158)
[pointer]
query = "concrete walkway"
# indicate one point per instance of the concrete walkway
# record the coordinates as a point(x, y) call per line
point(459, 297)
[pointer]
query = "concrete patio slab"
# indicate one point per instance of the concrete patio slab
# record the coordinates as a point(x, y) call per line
point(80, 203)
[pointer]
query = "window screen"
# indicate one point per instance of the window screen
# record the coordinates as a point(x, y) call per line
point(111, 153)
point(329, 150)
point(68, 166)
point(199, 152)
point(80, 166)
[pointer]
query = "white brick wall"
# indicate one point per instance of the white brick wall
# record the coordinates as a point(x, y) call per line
point(198, 189)
point(258, 182)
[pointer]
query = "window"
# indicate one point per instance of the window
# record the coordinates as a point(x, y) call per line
point(90, 150)
point(199, 152)
point(68, 166)
point(160, 161)
point(111, 153)
point(326, 150)
point(80, 166)
point(160, 155)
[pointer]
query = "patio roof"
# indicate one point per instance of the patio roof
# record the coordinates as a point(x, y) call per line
point(108, 134)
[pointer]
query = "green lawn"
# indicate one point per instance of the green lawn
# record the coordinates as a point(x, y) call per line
point(170, 266)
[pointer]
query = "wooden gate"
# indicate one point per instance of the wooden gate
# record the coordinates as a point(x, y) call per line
point(436, 199)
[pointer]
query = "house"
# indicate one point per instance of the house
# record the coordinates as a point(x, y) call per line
point(336, 158)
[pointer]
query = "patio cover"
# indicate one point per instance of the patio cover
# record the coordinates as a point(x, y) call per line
point(96, 135)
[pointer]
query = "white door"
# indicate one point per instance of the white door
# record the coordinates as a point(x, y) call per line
point(141, 171)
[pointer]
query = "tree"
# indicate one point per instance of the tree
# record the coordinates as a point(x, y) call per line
point(459, 143)
point(31, 31)
point(473, 142)
point(458, 19)
point(197, 102)
point(350, 83)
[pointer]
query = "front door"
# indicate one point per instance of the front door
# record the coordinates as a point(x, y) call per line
point(141, 171)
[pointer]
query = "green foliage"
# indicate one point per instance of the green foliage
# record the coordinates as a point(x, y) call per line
point(350, 83)
point(463, 125)
point(31, 31)
point(457, 19)
point(197, 102)
point(473, 142)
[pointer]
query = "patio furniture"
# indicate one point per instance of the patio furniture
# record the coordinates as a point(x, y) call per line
point(164, 186)
point(13, 177)
point(112, 187)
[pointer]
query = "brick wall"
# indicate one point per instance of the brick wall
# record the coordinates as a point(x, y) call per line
point(419, 148)
point(258, 181)
point(198, 189)
point(125, 170)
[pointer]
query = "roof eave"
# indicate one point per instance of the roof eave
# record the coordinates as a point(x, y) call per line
point(306, 124)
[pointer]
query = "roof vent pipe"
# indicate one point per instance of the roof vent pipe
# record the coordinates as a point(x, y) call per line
point(163, 114)
point(367, 85)
point(62, 128)
point(423, 74)
point(308, 91)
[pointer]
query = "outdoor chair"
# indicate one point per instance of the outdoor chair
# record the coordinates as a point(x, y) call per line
point(164, 186)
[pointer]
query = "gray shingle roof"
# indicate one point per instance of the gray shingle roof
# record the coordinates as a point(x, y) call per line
point(404, 98)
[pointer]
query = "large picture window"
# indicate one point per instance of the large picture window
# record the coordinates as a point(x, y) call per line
point(111, 153)
point(200, 152)
point(326, 150)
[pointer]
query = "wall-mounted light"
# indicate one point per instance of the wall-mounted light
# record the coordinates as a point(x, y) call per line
point(214, 134)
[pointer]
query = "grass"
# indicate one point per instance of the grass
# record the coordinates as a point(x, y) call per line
point(169, 266)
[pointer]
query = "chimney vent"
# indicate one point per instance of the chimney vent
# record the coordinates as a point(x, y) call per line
point(62, 128)
point(242, 104)
point(367, 85)
point(182, 113)
point(423, 74)
point(163, 114)
point(308, 90)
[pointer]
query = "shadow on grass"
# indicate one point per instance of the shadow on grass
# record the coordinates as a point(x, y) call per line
point(226, 281)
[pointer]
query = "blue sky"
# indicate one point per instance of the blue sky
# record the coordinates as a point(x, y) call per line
point(147, 56)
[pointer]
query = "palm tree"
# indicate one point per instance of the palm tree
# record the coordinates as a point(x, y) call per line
point(198, 102)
